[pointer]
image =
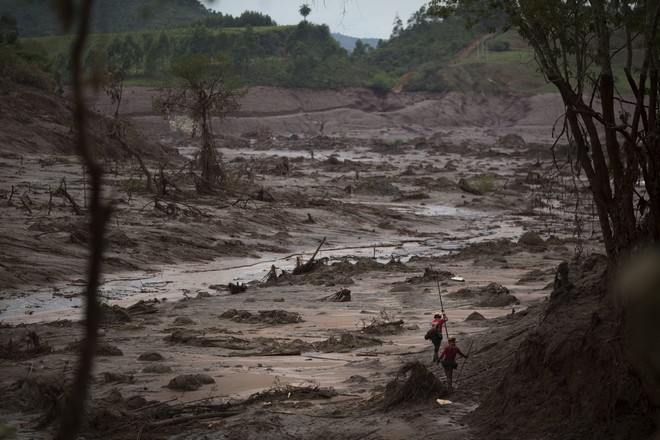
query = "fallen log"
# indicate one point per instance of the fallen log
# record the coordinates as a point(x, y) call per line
point(185, 419)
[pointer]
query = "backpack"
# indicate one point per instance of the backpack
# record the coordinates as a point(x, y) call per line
point(432, 333)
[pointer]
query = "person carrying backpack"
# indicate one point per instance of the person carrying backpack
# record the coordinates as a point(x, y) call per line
point(435, 333)
point(448, 359)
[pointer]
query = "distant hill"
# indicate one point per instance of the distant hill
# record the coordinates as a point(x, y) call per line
point(36, 18)
point(348, 43)
point(427, 54)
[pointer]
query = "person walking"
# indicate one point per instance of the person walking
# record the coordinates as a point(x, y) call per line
point(448, 359)
point(435, 333)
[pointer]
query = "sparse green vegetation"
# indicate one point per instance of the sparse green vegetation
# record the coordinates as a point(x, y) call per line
point(132, 185)
point(483, 183)
point(24, 119)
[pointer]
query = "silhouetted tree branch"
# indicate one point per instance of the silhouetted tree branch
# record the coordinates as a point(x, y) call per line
point(99, 215)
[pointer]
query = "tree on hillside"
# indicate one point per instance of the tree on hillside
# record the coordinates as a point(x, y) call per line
point(397, 28)
point(304, 10)
point(205, 87)
point(617, 137)
point(8, 30)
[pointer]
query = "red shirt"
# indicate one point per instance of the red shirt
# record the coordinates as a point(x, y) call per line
point(438, 322)
point(450, 352)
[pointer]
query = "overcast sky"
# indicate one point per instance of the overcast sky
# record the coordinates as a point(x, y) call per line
point(362, 18)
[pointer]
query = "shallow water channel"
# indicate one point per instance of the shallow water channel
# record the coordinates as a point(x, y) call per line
point(173, 282)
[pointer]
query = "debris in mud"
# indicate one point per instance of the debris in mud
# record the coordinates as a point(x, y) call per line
point(143, 307)
point(493, 295)
point(292, 392)
point(236, 288)
point(343, 343)
point(189, 382)
point(311, 264)
point(264, 317)
point(502, 247)
point(383, 324)
point(197, 339)
point(413, 383)
point(115, 314)
point(102, 349)
point(24, 346)
point(465, 186)
point(288, 348)
point(344, 295)
point(347, 342)
point(338, 273)
point(41, 392)
point(430, 274)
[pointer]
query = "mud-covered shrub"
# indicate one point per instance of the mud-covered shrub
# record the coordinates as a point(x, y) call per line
point(24, 71)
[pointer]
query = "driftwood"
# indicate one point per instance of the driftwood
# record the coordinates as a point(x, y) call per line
point(344, 295)
point(26, 205)
point(63, 192)
point(186, 419)
point(11, 196)
point(309, 265)
point(236, 288)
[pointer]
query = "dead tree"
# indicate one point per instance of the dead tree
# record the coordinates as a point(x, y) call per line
point(116, 132)
point(309, 265)
point(61, 191)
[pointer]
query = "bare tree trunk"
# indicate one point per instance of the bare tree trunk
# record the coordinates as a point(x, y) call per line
point(208, 158)
point(100, 213)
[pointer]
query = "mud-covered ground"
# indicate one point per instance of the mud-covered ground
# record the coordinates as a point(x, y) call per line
point(407, 203)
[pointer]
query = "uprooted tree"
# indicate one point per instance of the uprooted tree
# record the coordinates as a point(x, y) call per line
point(205, 87)
point(578, 45)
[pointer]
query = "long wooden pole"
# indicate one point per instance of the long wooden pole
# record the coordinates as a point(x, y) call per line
point(442, 307)
point(463, 364)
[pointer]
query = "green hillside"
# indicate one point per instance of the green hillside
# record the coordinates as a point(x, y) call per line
point(426, 54)
point(36, 18)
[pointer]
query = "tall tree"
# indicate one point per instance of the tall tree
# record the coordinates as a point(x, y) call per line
point(304, 10)
point(205, 87)
point(617, 137)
